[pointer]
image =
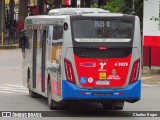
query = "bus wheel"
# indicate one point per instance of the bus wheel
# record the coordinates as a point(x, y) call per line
point(108, 106)
point(118, 105)
point(31, 93)
point(53, 105)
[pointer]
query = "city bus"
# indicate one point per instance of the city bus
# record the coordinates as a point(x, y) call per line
point(83, 54)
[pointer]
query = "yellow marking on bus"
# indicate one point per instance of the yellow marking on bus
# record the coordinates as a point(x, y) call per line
point(102, 76)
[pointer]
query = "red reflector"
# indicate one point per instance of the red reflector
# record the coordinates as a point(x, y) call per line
point(135, 71)
point(69, 71)
point(102, 48)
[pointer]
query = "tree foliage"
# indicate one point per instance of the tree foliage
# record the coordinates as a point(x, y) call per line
point(125, 7)
point(119, 6)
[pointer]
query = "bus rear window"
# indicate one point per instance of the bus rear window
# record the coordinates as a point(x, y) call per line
point(102, 30)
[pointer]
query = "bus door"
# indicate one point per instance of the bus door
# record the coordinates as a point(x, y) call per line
point(43, 64)
point(41, 50)
point(34, 62)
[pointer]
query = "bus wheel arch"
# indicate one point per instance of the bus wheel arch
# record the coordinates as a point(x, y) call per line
point(53, 105)
point(31, 93)
point(28, 78)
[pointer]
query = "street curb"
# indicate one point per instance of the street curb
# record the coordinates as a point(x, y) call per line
point(150, 71)
point(9, 47)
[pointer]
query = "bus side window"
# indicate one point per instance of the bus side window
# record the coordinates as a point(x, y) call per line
point(57, 44)
point(49, 43)
point(57, 32)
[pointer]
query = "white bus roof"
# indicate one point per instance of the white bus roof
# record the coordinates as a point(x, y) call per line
point(73, 11)
point(44, 19)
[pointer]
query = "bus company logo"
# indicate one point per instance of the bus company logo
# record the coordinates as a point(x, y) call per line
point(102, 65)
point(88, 64)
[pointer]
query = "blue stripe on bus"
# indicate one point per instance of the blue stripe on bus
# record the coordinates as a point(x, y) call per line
point(73, 92)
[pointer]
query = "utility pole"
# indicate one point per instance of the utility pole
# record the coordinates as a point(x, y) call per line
point(133, 5)
point(87, 3)
point(82, 3)
point(57, 3)
point(23, 12)
point(101, 3)
point(2, 20)
point(74, 3)
point(40, 4)
point(11, 12)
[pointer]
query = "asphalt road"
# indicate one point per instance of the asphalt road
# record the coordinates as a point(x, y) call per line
point(14, 97)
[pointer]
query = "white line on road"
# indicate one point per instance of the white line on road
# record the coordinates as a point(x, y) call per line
point(145, 78)
point(9, 88)
point(14, 85)
point(13, 90)
point(148, 85)
point(5, 92)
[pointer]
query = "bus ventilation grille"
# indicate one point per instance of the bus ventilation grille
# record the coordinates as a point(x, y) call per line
point(108, 53)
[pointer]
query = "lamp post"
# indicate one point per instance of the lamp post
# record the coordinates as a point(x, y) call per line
point(2, 20)
point(133, 5)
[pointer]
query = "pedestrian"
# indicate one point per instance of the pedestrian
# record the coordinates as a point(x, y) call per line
point(22, 42)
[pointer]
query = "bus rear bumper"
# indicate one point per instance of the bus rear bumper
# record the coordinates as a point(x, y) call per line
point(72, 92)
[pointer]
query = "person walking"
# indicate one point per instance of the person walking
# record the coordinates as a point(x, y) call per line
point(22, 42)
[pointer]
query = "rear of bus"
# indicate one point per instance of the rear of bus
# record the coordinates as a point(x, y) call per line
point(103, 62)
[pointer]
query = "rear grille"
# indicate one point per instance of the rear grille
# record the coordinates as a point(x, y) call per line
point(108, 53)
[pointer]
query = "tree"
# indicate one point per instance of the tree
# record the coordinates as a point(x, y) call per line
point(125, 7)
point(40, 4)
point(87, 3)
point(101, 3)
point(73, 3)
point(23, 4)
point(119, 6)
point(57, 3)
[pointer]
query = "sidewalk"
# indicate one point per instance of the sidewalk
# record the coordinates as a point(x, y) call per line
point(151, 76)
point(151, 79)
point(11, 45)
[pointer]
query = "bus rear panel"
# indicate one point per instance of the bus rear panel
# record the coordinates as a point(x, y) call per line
point(104, 61)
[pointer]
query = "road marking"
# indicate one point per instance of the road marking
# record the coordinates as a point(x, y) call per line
point(145, 78)
point(149, 85)
point(5, 92)
point(14, 85)
point(12, 89)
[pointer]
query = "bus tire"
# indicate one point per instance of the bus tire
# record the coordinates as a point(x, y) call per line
point(118, 105)
point(53, 105)
point(108, 106)
point(31, 93)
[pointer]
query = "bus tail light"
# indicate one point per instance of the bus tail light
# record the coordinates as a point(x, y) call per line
point(135, 71)
point(69, 71)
